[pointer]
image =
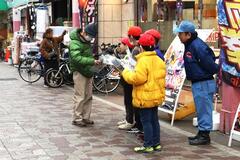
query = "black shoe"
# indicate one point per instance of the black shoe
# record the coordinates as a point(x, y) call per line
point(202, 139)
point(88, 121)
point(79, 123)
point(194, 137)
point(133, 130)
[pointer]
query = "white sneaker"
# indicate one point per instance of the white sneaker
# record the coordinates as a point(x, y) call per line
point(125, 126)
point(45, 86)
point(121, 122)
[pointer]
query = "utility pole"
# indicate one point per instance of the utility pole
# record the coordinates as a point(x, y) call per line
point(200, 11)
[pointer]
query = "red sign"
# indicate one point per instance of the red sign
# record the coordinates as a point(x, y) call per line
point(213, 37)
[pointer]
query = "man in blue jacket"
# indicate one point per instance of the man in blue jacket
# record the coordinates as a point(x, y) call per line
point(199, 62)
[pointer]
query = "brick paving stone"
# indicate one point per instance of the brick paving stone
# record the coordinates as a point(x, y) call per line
point(35, 124)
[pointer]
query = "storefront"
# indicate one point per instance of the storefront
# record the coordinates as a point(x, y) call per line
point(164, 15)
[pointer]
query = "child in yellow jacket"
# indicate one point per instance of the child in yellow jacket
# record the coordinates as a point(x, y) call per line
point(148, 80)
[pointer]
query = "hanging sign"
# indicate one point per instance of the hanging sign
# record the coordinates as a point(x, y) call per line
point(229, 26)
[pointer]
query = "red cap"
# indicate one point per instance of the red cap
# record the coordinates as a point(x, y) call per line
point(154, 33)
point(146, 40)
point(125, 41)
point(134, 31)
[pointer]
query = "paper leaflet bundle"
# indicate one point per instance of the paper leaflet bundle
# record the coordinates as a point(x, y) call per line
point(127, 62)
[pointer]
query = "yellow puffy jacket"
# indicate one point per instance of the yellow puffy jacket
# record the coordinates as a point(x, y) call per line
point(148, 80)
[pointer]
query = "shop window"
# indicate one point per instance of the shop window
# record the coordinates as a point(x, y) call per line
point(165, 10)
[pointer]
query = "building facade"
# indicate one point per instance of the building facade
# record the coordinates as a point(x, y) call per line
point(115, 17)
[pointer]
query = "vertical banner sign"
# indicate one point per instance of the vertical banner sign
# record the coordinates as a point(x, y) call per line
point(87, 12)
point(229, 25)
point(91, 11)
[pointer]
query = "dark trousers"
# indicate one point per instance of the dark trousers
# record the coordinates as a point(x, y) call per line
point(50, 64)
point(127, 91)
point(151, 127)
point(138, 122)
point(131, 112)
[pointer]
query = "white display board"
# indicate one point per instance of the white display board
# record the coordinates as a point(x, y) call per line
point(175, 76)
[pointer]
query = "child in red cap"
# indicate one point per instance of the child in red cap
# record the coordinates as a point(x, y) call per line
point(148, 80)
point(157, 37)
point(134, 33)
point(128, 122)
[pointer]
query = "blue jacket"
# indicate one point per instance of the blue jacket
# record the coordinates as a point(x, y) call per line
point(159, 53)
point(199, 60)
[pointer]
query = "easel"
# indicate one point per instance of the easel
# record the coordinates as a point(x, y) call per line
point(233, 131)
point(175, 100)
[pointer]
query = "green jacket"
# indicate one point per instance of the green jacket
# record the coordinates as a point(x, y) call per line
point(81, 57)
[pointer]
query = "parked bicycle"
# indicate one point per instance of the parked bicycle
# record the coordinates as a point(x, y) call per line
point(30, 68)
point(31, 63)
point(107, 78)
point(55, 78)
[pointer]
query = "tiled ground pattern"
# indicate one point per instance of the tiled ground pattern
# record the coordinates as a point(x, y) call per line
point(35, 124)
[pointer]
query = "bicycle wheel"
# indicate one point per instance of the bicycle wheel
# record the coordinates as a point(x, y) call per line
point(67, 76)
point(30, 70)
point(106, 83)
point(54, 78)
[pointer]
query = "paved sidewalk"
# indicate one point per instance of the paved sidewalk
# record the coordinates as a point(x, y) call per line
point(35, 124)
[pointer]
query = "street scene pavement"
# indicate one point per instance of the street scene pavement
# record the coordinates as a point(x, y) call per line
point(35, 124)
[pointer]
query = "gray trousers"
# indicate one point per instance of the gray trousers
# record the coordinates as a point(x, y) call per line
point(82, 97)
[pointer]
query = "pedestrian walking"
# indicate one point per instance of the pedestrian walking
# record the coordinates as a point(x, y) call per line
point(128, 122)
point(148, 80)
point(157, 37)
point(200, 66)
point(81, 63)
point(49, 49)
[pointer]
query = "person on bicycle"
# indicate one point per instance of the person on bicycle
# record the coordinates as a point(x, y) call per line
point(49, 50)
point(81, 63)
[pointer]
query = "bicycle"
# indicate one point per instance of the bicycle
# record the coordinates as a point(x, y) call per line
point(107, 78)
point(56, 78)
point(30, 68)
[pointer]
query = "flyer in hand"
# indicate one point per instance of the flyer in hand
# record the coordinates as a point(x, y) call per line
point(127, 62)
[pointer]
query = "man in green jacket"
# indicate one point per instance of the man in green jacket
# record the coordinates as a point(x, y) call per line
point(81, 63)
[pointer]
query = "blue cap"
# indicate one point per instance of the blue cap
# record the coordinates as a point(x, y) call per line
point(185, 26)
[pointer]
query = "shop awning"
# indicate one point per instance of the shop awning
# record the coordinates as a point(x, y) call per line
point(3, 5)
point(16, 3)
